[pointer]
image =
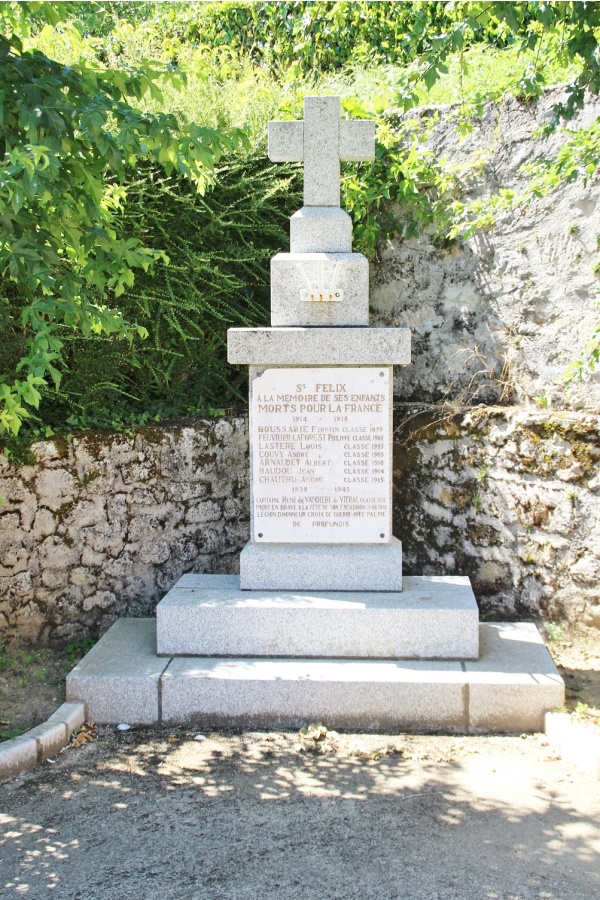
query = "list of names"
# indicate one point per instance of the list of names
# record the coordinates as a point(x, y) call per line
point(320, 448)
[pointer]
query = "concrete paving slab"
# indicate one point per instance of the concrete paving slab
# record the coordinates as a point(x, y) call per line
point(434, 617)
point(50, 737)
point(278, 693)
point(514, 682)
point(16, 756)
point(118, 679)
point(72, 715)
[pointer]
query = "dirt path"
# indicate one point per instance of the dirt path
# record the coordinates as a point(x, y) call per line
point(158, 814)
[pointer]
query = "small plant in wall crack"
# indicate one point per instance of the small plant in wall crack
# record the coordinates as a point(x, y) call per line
point(542, 400)
point(554, 632)
point(477, 503)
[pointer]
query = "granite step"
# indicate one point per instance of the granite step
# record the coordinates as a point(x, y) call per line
point(508, 689)
point(208, 615)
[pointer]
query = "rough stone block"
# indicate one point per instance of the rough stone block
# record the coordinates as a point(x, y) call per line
point(320, 229)
point(514, 682)
point(318, 346)
point(16, 756)
point(295, 276)
point(283, 693)
point(433, 618)
point(324, 567)
point(118, 679)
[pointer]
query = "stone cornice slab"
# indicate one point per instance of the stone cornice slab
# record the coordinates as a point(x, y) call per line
point(318, 346)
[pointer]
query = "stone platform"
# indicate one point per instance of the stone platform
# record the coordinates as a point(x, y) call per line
point(325, 567)
point(508, 689)
point(208, 615)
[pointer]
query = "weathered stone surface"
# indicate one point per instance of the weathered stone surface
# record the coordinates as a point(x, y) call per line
point(320, 229)
point(360, 694)
point(72, 715)
point(318, 346)
point(286, 141)
point(500, 316)
point(325, 567)
point(16, 756)
point(123, 682)
point(116, 516)
point(347, 273)
point(479, 494)
point(208, 615)
point(320, 140)
point(50, 738)
point(54, 487)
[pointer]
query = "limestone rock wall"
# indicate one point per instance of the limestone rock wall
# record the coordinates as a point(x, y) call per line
point(510, 497)
point(498, 318)
point(102, 527)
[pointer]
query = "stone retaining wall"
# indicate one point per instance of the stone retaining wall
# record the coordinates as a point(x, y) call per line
point(509, 497)
point(103, 526)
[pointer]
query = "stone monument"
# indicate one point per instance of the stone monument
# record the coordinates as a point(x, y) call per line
point(320, 623)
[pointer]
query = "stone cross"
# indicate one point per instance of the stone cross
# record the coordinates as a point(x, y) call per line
point(321, 140)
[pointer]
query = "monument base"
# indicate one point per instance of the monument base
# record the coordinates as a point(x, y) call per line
point(508, 689)
point(321, 567)
point(208, 615)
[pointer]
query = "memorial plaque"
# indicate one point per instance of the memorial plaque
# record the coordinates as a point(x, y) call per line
point(320, 455)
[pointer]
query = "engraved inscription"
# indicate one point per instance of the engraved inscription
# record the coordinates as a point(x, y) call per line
point(321, 455)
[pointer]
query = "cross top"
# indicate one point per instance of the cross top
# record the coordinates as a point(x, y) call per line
point(321, 140)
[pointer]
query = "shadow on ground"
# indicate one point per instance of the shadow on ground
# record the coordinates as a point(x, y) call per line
point(159, 814)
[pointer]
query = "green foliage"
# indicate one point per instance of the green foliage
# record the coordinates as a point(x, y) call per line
point(219, 245)
point(305, 37)
point(554, 632)
point(77, 650)
point(70, 140)
point(104, 153)
point(404, 190)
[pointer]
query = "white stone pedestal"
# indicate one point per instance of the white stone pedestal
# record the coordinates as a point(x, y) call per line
point(508, 689)
point(208, 615)
point(324, 567)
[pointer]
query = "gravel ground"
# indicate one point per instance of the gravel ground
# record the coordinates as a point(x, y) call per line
point(157, 814)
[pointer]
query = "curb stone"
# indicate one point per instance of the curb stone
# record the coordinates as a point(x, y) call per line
point(574, 742)
point(40, 743)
